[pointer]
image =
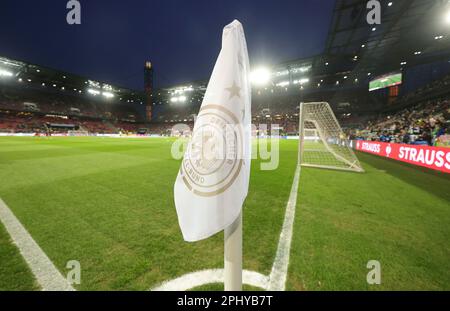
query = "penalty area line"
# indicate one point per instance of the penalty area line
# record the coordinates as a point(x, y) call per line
point(47, 275)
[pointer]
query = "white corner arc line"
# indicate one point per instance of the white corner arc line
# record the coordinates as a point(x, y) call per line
point(47, 275)
point(278, 275)
point(277, 279)
point(210, 276)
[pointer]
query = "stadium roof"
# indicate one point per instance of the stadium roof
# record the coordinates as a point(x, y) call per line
point(411, 32)
point(56, 80)
point(192, 92)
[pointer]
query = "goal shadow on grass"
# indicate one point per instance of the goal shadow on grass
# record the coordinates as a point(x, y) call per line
point(427, 179)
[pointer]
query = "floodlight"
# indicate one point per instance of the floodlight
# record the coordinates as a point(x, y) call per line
point(5, 73)
point(283, 83)
point(93, 92)
point(301, 81)
point(260, 76)
point(108, 94)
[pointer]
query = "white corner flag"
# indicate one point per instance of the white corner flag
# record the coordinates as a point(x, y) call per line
point(212, 183)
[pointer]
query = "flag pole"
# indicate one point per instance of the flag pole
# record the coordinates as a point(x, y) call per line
point(233, 255)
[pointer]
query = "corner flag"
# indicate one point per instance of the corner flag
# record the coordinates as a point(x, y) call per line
point(212, 183)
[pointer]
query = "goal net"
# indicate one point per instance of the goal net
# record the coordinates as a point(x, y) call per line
point(323, 144)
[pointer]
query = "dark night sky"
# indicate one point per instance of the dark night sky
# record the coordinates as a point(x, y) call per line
point(181, 38)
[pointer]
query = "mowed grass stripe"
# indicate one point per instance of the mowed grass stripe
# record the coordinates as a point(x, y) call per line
point(393, 213)
point(121, 224)
point(117, 218)
point(15, 275)
point(33, 167)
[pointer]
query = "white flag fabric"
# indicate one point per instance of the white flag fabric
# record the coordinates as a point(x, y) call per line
point(212, 183)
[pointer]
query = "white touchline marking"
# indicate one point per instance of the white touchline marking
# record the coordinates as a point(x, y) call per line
point(203, 277)
point(278, 275)
point(47, 275)
point(277, 279)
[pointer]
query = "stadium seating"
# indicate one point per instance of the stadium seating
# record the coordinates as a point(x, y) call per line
point(423, 123)
point(417, 118)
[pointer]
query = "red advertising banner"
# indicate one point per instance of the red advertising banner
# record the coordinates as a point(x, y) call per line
point(436, 158)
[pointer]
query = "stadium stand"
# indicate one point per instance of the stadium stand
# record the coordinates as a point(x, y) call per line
point(425, 123)
point(414, 110)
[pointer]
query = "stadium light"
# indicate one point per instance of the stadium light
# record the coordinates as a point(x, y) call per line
point(447, 17)
point(108, 94)
point(5, 73)
point(93, 92)
point(260, 76)
point(301, 81)
point(283, 83)
point(178, 99)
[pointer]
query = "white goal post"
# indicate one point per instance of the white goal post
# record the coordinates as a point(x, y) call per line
point(322, 143)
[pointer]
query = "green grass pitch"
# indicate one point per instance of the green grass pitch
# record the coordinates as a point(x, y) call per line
point(108, 203)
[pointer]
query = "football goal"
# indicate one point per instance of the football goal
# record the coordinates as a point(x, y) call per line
point(322, 143)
